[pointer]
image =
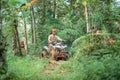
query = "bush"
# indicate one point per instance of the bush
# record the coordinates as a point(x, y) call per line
point(95, 59)
point(91, 68)
point(97, 45)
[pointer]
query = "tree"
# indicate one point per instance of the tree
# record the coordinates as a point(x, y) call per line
point(3, 65)
point(33, 25)
point(16, 38)
point(86, 14)
point(25, 34)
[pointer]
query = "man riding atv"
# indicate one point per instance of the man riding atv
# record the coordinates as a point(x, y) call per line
point(53, 37)
point(54, 48)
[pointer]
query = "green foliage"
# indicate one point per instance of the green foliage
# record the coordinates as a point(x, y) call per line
point(91, 68)
point(93, 58)
point(79, 67)
point(3, 65)
point(29, 67)
point(93, 44)
point(35, 49)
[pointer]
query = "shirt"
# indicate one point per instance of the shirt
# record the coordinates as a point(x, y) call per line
point(53, 38)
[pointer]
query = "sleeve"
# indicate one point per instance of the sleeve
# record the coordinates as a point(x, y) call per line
point(49, 41)
point(58, 38)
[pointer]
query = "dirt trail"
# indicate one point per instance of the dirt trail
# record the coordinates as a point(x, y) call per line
point(52, 66)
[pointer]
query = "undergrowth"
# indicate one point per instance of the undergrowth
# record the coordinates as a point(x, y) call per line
point(94, 61)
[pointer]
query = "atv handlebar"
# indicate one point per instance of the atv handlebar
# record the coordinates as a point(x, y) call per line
point(63, 41)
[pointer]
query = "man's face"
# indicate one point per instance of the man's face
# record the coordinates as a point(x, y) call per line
point(98, 32)
point(54, 32)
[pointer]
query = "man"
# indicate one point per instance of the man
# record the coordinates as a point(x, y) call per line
point(99, 31)
point(51, 40)
point(53, 37)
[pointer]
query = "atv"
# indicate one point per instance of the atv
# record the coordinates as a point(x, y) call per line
point(56, 50)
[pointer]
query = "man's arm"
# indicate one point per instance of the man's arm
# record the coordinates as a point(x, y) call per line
point(58, 38)
point(49, 41)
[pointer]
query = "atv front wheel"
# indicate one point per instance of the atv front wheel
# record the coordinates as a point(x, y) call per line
point(43, 54)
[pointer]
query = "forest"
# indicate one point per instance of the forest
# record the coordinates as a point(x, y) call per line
point(59, 39)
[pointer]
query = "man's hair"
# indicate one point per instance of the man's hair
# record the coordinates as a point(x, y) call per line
point(98, 28)
point(53, 30)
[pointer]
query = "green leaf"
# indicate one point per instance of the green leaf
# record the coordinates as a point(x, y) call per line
point(12, 2)
point(25, 13)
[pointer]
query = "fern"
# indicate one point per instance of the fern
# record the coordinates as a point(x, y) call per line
point(95, 45)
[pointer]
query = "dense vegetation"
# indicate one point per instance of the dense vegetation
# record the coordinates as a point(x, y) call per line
point(94, 56)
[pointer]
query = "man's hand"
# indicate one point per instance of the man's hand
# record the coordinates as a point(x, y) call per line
point(64, 40)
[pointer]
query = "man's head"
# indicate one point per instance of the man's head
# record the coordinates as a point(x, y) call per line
point(98, 31)
point(54, 31)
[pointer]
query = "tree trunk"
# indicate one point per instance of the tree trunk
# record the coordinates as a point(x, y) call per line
point(3, 66)
point(54, 9)
point(33, 25)
point(25, 34)
point(15, 48)
point(0, 21)
point(19, 53)
point(87, 18)
point(44, 12)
